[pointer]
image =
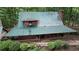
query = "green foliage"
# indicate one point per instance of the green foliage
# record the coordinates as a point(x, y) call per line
point(9, 45)
point(28, 47)
point(56, 44)
point(51, 45)
point(8, 16)
point(65, 46)
point(33, 47)
point(43, 49)
point(24, 46)
point(4, 45)
point(14, 46)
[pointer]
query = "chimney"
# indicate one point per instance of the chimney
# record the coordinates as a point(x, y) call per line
point(61, 14)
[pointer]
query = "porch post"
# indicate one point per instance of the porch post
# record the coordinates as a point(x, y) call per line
point(39, 37)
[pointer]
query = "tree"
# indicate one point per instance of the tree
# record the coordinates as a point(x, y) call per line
point(8, 16)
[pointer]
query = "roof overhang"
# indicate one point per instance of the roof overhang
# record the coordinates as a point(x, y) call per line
point(39, 31)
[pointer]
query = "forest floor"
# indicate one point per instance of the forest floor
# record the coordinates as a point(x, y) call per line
point(71, 40)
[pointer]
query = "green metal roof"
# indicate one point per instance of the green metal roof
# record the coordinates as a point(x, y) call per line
point(39, 30)
point(44, 18)
point(49, 23)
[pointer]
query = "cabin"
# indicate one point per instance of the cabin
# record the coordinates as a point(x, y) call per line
point(37, 25)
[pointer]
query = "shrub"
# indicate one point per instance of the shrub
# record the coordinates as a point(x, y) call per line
point(42, 49)
point(33, 47)
point(24, 46)
point(9, 45)
point(4, 45)
point(51, 45)
point(28, 47)
point(56, 44)
point(65, 46)
point(14, 46)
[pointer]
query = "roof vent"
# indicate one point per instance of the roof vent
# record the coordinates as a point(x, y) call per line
point(30, 23)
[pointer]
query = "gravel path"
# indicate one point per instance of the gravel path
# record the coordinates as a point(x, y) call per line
point(70, 42)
